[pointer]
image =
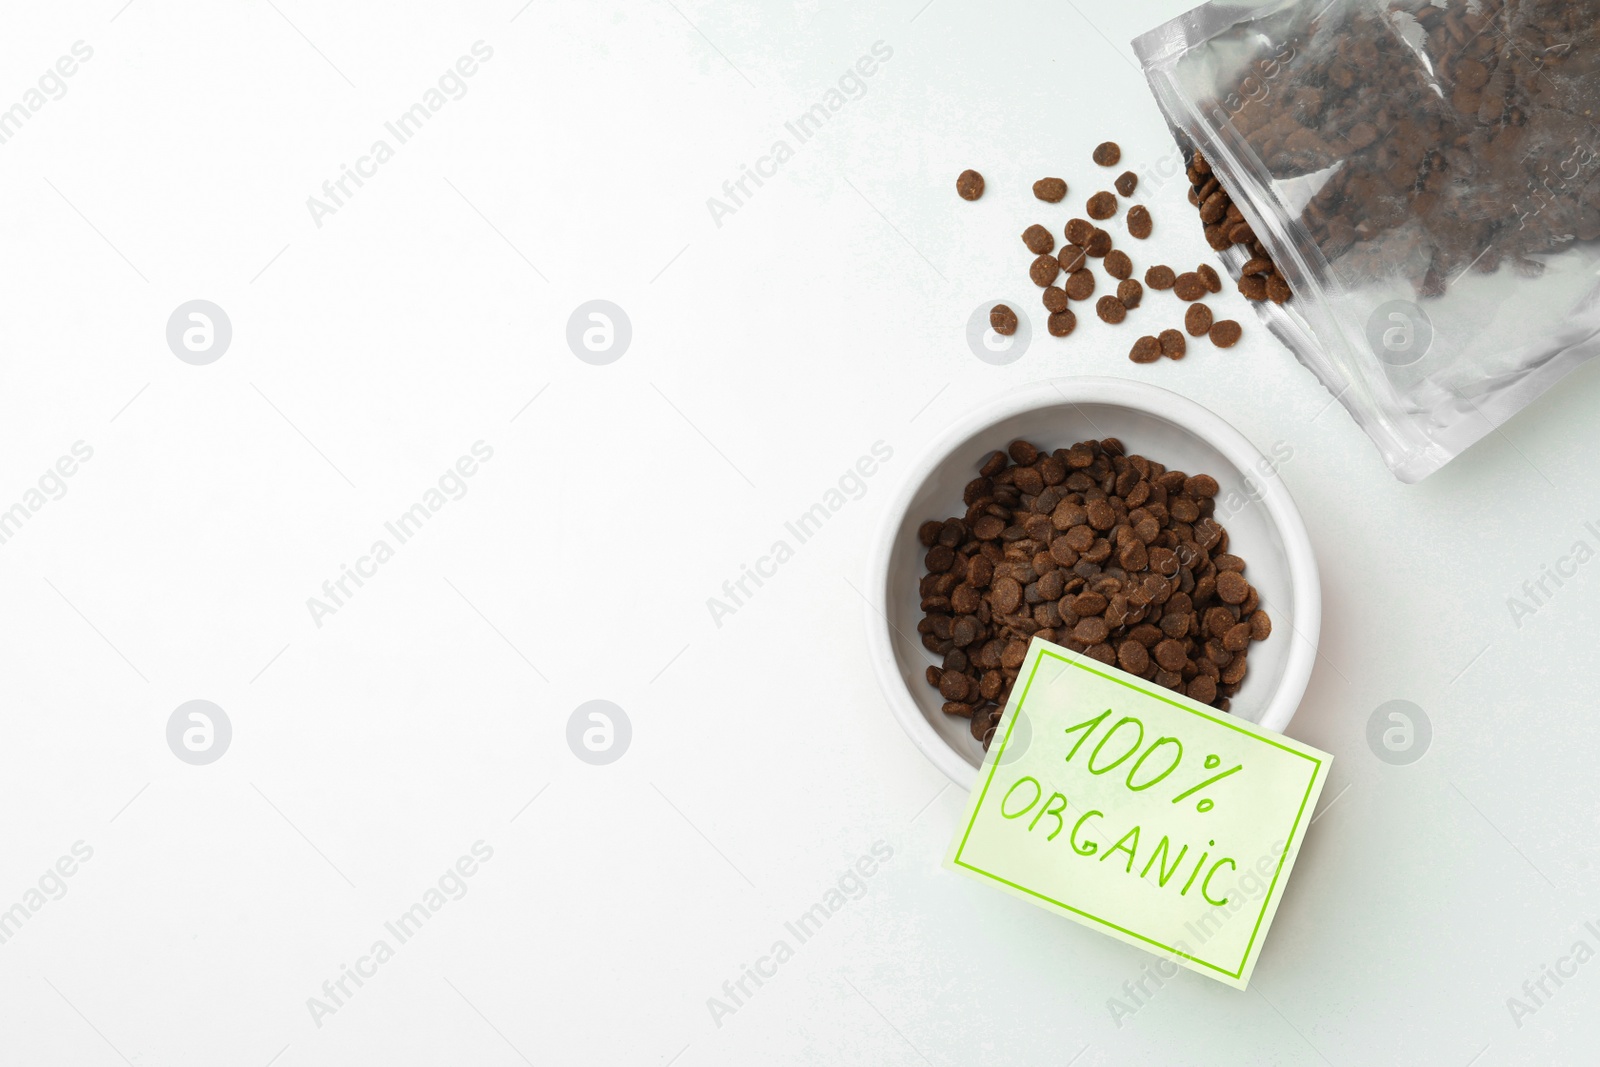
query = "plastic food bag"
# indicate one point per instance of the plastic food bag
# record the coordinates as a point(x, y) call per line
point(1424, 175)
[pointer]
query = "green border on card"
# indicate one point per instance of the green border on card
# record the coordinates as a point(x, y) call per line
point(1231, 724)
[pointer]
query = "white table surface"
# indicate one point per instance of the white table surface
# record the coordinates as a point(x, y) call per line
point(768, 353)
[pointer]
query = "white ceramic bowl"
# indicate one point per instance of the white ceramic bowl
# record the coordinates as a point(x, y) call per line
point(1263, 525)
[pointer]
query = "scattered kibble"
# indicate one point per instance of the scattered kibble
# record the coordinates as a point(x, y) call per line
point(1139, 224)
point(1080, 284)
point(1189, 286)
point(1110, 309)
point(1145, 350)
point(1173, 346)
point(1050, 190)
point(1118, 265)
point(1225, 334)
point(1126, 183)
point(1002, 320)
point(1101, 205)
point(1038, 239)
point(1197, 320)
point(1108, 154)
point(1044, 270)
point(969, 185)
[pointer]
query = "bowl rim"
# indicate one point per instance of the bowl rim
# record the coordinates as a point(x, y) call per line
point(1140, 396)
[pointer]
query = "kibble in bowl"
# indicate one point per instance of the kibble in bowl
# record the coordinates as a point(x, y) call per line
point(1264, 528)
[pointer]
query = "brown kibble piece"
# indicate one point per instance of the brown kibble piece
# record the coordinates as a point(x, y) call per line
point(1257, 265)
point(1201, 485)
point(1173, 346)
point(969, 185)
point(1232, 588)
point(1170, 654)
point(1237, 639)
point(1080, 284)
point(1091, 631)
point(1253, 287)
point(1202, 688)
point(1209, 276)
point(1101, 205)
point(1002, 320)
point(1226, 334)
point(1111, 310)
point(1118, 265)
point(1189, 286)
point(1071, 258)
point(1099, 243)
point(1197, 320)
point(1139, 224)
point(1078, 231)
point(1044, 270)
point(1260, 626)
point(1126, 183)
point(1130, 292)
point(1060, 323)
point(953, 686)
point(1050, 190)
point(1038, 239)
point(1160, 277)
point(1133, 657)
point(1145, 350)
point(1108, 154)
point(1055, 298)
point(1277, 289)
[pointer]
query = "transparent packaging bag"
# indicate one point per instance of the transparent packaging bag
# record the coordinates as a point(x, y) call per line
point(1425, 176)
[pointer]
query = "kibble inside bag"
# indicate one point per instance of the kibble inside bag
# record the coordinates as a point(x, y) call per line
point(1426, 176)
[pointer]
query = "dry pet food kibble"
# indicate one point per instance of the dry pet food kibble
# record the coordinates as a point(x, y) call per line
point(1044, 270)
point(1107, 554)
point(1055, 298)
point(1108, 154)
point(1099, 243)
point(1225, 225)
point(1002, 320)
point(1173, 345)
point(1101, 205)
point(969, 185)
point(1160, 277)
point(1130, 292)
point(1189, 286)
point(1127, 182)
point(1197, 320)
point(1061, 323)
point(1080, 284)
point(1208, 274)
point(1038, 239)
point(1050, 190)
point(1145, 350)
point(1118, 265)
point(1078, 231)
point(1110, 309)
point(1072, 258)
point(1139, 224)
point(1225, 334)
